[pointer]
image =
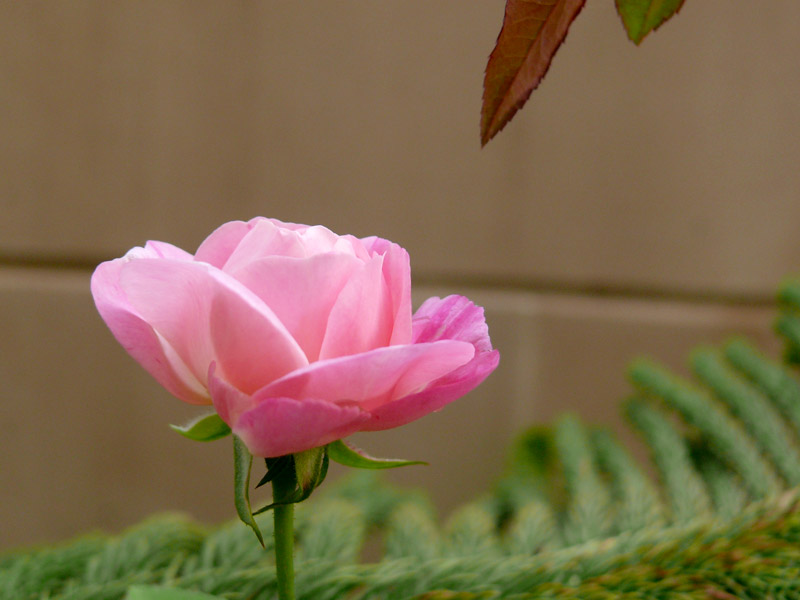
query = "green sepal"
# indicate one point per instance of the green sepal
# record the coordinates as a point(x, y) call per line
point(159, 592)
point(294, 476)
point(311, 468)
point(350, 456)
point(242, 463)
point(206, 428)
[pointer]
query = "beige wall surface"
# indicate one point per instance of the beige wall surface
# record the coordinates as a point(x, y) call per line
point(645, 201)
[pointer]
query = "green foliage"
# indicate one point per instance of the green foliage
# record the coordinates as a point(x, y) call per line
point(350, 456)
point(640, 17)
point(155, 592)
point(206, 428)
point(574, 517)
point(634, 495)
point(242, 464)
point(532, 33)
point(587, 516)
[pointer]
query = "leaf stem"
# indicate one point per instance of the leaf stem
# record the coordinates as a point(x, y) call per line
point(282, 486)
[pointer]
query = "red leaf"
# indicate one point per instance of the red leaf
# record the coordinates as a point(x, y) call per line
point(532, 32)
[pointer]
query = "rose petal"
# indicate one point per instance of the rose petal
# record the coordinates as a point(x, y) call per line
point(301, 292)
point(440, 393)
point(318, 239)
point(361, 319)
point(229, 402)
point(265, 238)
point(278, 426)
point(373, 378)
point(138, 337)
point(397, 272)
point(454, 318)
point(451, 318)
point(206, 315)
point(352, 245)
point(216, 249)
point(165, 250)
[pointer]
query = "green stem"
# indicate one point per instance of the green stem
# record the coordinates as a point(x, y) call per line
point(283, 486)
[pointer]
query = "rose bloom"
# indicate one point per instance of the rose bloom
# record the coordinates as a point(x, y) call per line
point(297, 336)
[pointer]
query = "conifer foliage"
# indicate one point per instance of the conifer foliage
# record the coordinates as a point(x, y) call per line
point(575, 516)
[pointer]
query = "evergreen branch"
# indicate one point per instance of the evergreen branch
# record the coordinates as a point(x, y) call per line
point(753, 409)
point(470, 531)
point(588, 515)
point(411, 532)
point(772, 378)
point(788, 325)
point(789, 294)
point(532, 530)
point(635, 496)
point(725, 435)
point(725, 487)
point(683, 487)
point(334, 531)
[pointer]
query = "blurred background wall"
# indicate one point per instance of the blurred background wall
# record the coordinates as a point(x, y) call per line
point(645, 200)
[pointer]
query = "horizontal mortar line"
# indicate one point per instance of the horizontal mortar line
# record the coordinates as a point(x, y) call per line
point(48, 262)
point(451, 280)
point(596, 289)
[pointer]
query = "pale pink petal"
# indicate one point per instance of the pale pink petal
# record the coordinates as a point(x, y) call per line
point(265, 238)
point(352, 245)
point(373, 378)
point(319, 239)
point(216, 249)
point(397, 273)
point(440, 393)
point(138, 337)
point(165, 250)
point(301, 292)
point(280, 426)
point(369, 242)
point(206, 315)
point(361, 318)
point(299, 227)
point(229, 402)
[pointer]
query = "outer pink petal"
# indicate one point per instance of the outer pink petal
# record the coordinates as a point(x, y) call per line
point(301, 292)
point(206, 315)
point(439, 394)
point(139, 338)
point(217, 247)
point(373, 378)
point(277, 426)
point(229, 402)
point(454, 318)
point(361, 319)
point(451, 318)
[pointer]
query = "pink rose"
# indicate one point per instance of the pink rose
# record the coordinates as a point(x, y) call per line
point(297, 336)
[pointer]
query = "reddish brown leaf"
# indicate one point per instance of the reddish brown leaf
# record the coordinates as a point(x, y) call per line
point(532, 32)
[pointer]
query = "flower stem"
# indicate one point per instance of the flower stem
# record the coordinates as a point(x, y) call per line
point(284, 536)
